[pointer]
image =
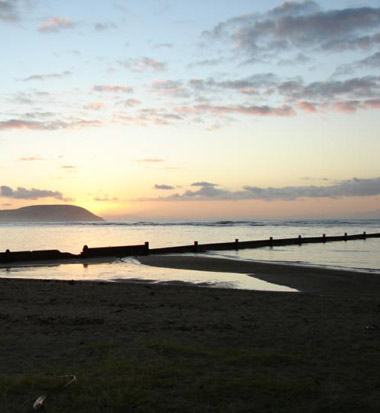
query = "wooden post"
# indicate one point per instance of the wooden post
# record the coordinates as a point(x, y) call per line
point(147, 247)
point(324, 237)
point(299, 240)
point(364, 235)
point(271, 241)
point(195, 246)
point(345, 236)
point(236, 244)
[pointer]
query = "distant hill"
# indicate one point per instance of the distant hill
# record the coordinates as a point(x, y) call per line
point(48, 213)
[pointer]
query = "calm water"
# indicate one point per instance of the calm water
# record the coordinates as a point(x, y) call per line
point(358, 255)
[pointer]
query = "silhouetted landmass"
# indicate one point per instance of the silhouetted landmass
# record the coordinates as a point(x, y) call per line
point(48, 213)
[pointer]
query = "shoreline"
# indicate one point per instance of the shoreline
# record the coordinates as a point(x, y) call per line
point(317, 280)
point(304, 279)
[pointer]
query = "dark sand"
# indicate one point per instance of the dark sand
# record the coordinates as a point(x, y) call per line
point(305, 279)
point(285, 352)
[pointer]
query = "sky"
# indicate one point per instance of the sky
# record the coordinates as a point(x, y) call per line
point(172, 110)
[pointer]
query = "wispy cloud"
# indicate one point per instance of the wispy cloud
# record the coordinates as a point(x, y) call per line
point(69, 168)
point(48, 76)
point(23, 193)
point(94, 106)
point(350, 188)
point(132, 102)
point(164, 187)
point(113, 88)
point(30, 158)
point(105, 198)
point(170, 88)
point(264, 110)
point(8, 10)
point(143, 64)
point(207, 62)
point(100, 27)
point(55, 24)
point(151, 160)
point(19, 124)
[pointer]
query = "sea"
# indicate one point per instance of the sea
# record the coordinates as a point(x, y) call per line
point(358, 255)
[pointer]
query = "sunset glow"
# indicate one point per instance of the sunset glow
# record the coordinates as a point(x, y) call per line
point(175, 110)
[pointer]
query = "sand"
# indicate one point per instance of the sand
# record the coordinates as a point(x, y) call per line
point(305, 279)
point(325, 344)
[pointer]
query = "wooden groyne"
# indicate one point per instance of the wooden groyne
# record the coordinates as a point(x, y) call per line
point(144, 249)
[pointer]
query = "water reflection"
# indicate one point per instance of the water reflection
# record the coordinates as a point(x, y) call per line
point(130, 270)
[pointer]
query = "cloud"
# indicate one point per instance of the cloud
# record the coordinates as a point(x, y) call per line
point(131, 102)
point(143, 64)
point(8, 10)
point(164, 187)
point(48, 76)
point(350, 188)
point(105, 198)
point(30, 158)
point(151, 160)
point(69, 168)
point(19, 124)
point(22, 193)
point(113, 88)
point(331, 89)
point(282, 111)
point(204, 184)
point(147, 116)
point(299, 59)
point(207, 62)
point(94, 106)
point(294, 25)
point(170, 88)
point(55, 24)
point(257, 81)
point(100, 27)
point(164, 45)
point(344, 106)
point(371, 61)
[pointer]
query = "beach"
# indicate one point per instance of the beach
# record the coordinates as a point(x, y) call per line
point(309, 279)
point(168, 348)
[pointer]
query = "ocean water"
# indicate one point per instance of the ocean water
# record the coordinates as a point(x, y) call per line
point(360, 255)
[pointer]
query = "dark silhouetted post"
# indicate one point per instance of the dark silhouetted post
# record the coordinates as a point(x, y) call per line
point(147, 247)
point(345, 236)
point(236, 244)
point(271, 241)
point(299, 240)
point(364, 235)
point(195, 246)
point(85, 250)
point(324, 237)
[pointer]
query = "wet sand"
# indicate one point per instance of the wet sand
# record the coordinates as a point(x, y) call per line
point(323, 345)
point(304, 279)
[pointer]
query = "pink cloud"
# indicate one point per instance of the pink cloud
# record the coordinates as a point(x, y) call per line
point(18, 124)
point(372, 104)
point(55, 24)
point(113, 88)
point(94, 106)
point(307, 106)
point(146, 63)
point(284, 110)
point(132, 102)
